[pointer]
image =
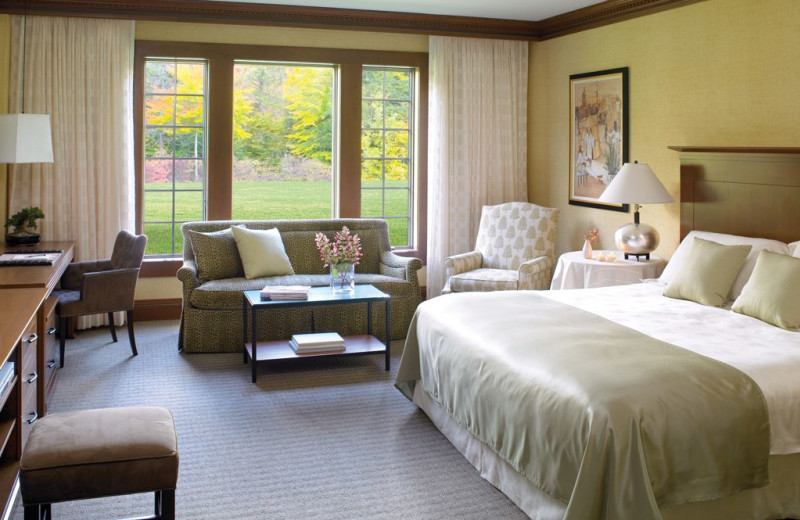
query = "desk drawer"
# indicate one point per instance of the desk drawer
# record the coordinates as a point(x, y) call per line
point(29, 413)
point(47, 362)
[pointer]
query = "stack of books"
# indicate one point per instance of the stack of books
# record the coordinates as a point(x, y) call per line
point(6, 376)
point(321, 342)
point(285, 292)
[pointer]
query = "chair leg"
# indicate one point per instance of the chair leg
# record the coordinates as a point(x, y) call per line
point(62, 339)
point(165, 504)
point(129, 315)
point(37, 512)
point(112, 327)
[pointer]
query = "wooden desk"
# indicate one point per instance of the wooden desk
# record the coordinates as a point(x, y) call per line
point(36, 275)
point(26, 310)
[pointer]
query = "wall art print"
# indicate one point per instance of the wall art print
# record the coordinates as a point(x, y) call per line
point(598, 134)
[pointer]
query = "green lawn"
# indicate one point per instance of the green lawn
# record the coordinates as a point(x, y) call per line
point(266, 201)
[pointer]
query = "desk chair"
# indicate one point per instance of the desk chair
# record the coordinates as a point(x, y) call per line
point(102, 286)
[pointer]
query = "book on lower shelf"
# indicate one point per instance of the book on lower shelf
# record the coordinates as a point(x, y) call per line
point(6, 375)
point(285, 292)
point(319, 342)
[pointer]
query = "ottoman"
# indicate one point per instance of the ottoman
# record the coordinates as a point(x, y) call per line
point(99, 453)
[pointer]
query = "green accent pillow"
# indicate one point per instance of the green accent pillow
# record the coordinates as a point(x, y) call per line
point(262, 252)
point(773, 292)
point(216, 255)
point(707, 272)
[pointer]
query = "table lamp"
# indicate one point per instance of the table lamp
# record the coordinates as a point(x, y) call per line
point(25, 138)
point(636, 184)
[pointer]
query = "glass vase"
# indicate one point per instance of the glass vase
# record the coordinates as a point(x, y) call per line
point(343, 278)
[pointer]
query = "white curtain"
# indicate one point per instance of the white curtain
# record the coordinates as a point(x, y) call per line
point(80, 71)
point(478, 93)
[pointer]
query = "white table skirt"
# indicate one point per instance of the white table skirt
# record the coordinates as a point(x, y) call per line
point(573, 271)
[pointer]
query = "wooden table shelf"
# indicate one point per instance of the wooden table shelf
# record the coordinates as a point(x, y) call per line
point(256, 351)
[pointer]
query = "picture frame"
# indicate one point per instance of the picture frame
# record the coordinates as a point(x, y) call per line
point(598, 142)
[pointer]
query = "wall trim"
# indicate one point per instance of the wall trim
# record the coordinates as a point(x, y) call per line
point(604, 13)
point(154, 310)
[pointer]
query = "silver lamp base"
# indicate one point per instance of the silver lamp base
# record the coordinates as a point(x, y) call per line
point(636, 240)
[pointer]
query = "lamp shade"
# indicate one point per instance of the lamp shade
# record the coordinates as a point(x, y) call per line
point(635, 183)
point(25, 138)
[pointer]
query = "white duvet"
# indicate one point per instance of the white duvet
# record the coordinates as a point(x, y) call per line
point(768, 354)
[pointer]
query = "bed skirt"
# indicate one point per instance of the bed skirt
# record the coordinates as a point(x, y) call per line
point(778, 500)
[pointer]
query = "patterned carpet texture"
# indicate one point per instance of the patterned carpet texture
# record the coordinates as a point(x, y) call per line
point(324, 439)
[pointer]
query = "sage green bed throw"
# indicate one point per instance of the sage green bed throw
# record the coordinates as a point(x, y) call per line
point(613, 422)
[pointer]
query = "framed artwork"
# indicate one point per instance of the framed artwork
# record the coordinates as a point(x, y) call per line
point(598, 142)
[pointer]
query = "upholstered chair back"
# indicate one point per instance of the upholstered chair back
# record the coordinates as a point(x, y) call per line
point(514, 232)
point(128, 250)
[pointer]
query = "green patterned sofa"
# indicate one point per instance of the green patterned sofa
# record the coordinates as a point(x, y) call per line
point(211, 319)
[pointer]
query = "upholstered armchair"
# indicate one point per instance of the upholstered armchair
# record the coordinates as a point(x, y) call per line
point(514, 249)
point(102, 286)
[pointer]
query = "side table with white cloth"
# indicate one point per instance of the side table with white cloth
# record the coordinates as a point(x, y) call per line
point(573, 271)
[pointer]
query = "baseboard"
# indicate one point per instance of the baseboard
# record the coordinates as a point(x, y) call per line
point(154, 310)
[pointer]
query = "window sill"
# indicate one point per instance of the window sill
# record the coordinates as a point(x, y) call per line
point(160, 267)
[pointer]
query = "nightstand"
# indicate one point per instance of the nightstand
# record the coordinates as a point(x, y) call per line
point(573, 271)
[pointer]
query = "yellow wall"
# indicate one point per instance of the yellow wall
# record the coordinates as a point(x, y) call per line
point(283, 36)
point(715, 73)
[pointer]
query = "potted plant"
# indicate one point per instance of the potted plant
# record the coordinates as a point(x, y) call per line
point(23, 221)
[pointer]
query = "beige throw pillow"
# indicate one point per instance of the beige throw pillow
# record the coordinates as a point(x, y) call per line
point(216, 255)
point(262, 252)
point(707, 272)
point(773, 292)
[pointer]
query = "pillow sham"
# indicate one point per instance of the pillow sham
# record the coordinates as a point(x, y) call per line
point(757, 245)
point(794, 247)
point(773, 292)
point(216, 255)
point(707, 272)
point(262, 252)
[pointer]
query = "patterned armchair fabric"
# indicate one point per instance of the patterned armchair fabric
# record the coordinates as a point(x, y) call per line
point(515, 249)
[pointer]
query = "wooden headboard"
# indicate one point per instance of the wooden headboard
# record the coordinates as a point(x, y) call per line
point(751, 192)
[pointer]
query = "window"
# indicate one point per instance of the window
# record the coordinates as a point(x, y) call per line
point(386, 148)
point(174, 150)
point(258, 132)
point(283, 136)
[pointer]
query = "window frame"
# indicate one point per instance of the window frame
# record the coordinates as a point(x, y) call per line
point(347, 186)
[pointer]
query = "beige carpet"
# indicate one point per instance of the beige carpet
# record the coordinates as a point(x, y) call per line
point(324, 439)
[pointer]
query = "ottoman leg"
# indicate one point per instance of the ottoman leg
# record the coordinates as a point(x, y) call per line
point(165, 504)
point(37, 512)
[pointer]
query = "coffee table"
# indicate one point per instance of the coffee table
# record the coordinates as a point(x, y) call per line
point(256, 351)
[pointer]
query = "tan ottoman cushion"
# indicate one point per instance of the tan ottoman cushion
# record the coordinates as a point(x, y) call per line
point(96, 453)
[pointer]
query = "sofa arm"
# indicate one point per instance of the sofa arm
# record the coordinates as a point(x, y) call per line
point(462, 263)
point(187, 274)
point(403, 267)
point(536, 273)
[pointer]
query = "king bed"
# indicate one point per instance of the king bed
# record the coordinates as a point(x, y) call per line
point(625, 403)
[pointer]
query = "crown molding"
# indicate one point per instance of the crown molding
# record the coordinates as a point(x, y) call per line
point(242, 13)
point(604, 13)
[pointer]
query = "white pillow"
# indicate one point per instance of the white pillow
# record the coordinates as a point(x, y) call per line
point(758, 245)
point(262, 252)
point(794, 247)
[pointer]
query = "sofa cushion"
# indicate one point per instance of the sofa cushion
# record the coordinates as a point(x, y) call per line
point(485, 280)
point(216, 255)
point(227, 294)
point(262, 252)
